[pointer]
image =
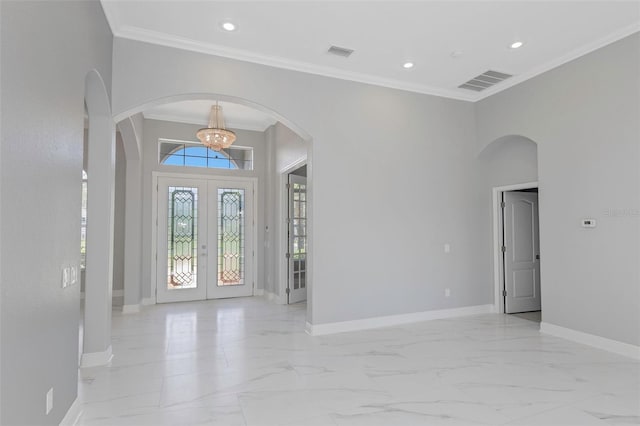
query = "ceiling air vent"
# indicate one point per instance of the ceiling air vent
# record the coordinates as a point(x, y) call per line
point(340, 51)
point(485, 80)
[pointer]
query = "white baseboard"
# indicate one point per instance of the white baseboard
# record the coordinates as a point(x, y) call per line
point(620, 348)
point(258, 292)
point(73, 414)
point(96, 359)
point(131, 309)
point(308, 328)
point(391, 320)
point(269, 295)
point(114, 293)
point(146, 301)
point(272, 297)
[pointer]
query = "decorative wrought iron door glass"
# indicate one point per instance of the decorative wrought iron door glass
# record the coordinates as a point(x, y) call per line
point(231, 242)
point(182, 238)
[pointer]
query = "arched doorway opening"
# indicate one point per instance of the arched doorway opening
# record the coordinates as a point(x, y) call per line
point(96, 340)
point(509, 167)
point(285, 145)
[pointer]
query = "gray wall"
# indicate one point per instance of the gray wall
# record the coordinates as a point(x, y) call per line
point(290, 148)
point(287, 148)
point(118, 216)
point(378, 224)
point(153, 130)
point(585, 118)
point(41, 152)
point(119, 213)
point(302, 171)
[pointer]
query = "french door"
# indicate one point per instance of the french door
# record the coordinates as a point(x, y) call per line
point(297, 232)
point(205, 238)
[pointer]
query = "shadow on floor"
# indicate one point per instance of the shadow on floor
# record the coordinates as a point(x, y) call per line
point(535, 316)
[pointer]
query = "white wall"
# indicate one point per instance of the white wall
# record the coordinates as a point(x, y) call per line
point(584, 116)
point(379, 223)
point(41, 151)
point(153, 130)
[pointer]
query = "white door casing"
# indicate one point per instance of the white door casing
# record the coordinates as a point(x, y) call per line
point(202, 254)
point(521, 252)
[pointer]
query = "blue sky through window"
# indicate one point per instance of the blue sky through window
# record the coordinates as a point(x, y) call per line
point(199, 156)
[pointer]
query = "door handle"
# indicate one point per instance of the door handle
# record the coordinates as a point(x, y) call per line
point(537, 257)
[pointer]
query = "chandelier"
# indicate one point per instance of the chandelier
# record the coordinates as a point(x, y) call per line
point(216, 136)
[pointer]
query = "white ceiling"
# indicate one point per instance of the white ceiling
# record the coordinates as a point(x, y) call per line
point(236, 116)
point(296, 34)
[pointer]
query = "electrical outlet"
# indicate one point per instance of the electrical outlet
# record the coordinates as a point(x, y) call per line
point(447, 292)
point(49, 400)
point(447, 248)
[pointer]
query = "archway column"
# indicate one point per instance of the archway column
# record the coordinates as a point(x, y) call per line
point(131, 136)
point(133, 238)
point(100, 223)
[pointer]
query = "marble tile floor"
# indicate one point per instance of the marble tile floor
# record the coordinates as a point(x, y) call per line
point(249, 362)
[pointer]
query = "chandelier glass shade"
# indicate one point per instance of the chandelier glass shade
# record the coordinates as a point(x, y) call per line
point(216, 136)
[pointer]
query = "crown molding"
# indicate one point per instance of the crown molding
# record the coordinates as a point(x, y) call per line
point(154, 37)
point(574, 54)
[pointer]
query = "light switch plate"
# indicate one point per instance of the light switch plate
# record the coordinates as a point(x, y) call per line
point(49, 403)
point(74, 275)
point(66, 273)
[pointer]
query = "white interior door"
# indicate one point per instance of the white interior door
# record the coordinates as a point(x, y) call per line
point(205, 239)
point(181, 240)
point(521, 250)
point(297, 253)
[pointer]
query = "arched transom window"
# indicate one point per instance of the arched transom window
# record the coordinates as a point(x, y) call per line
point(187, 154)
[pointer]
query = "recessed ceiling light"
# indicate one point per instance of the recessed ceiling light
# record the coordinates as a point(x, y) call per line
point(516, 44)
point(228, 26)
point(407, 65)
